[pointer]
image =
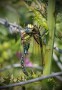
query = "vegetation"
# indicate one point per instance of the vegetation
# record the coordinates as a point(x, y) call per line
point(44, 41)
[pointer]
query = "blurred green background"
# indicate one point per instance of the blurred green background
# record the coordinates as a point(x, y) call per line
point(19, 12)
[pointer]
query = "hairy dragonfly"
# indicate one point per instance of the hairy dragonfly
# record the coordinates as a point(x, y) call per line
point(31, 38)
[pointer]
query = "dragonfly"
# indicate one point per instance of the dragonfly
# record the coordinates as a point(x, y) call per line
point(31, 32)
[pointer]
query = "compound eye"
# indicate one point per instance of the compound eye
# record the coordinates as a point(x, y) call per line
point(30, 26)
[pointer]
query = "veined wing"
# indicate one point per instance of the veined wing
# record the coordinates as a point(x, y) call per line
point(37, 54)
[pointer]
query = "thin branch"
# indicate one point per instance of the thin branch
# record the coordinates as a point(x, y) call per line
point(59, 78)
point(11, 26)
point(58, 50)
point(18, 65)
point(6, 23)
point(32, 80)
point(57, 62)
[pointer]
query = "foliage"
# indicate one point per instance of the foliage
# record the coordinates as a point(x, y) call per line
point(25, 12)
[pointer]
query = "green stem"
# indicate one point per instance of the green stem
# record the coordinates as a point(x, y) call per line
point(51, 28)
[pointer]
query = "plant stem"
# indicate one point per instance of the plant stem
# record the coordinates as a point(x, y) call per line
point(51, 29)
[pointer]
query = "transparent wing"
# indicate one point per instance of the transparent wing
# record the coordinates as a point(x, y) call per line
point(37, 49)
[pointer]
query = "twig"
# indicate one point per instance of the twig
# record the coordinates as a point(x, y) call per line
point(57, 62)
point(58, 50)
point(59, 78)
point(6, 23)
point(18, 65)
point(13, 27)
point(32, 80)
